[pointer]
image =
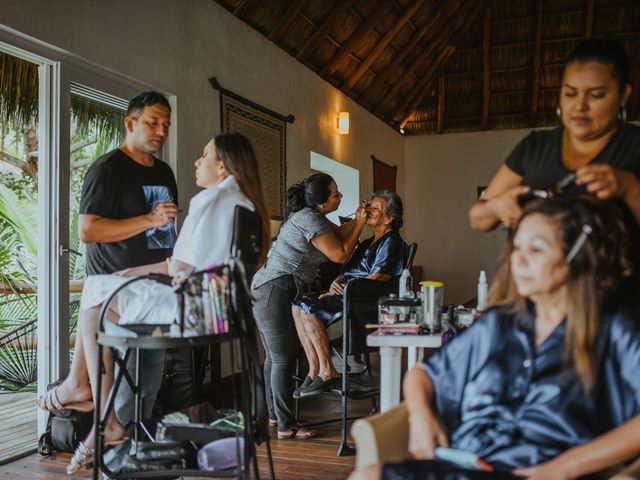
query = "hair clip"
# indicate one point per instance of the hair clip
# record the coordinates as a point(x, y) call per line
point(577, 245)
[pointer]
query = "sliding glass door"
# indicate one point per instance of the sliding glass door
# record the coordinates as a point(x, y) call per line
point(77, 115)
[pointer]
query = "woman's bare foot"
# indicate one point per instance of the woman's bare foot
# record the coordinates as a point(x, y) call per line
point(73, 392)
point(113, 434)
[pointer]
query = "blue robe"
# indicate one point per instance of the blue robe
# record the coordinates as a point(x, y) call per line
point(386, 256)
point(518, 405)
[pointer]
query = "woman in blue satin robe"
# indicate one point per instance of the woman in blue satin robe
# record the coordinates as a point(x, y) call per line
point(545, 384)
point(380, 257)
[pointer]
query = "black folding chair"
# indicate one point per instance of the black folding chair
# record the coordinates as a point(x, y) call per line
point(360, 306)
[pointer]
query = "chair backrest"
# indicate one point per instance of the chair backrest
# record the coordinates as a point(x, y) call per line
point(361, 307)
point(410, 255)
point(247, 240)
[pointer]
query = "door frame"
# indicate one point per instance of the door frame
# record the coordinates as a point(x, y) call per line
point(58, 70)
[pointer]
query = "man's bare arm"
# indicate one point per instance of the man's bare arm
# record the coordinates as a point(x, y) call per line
point(94, 228)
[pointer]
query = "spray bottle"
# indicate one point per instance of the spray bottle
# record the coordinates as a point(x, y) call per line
point(482, 290)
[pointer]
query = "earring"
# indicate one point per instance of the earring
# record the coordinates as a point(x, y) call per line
point(559, 112)
point(622, 114)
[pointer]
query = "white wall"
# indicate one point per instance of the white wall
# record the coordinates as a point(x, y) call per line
point(177, 45)
point(441, 175)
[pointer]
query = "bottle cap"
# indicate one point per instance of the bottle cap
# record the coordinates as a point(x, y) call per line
point(432, 283)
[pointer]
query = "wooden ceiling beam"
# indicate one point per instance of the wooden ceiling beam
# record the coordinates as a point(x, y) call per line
point(441, 102)
point(240, 8)
point(423, 87)
point(382, 44)
point(292, 11)
point(588, 22)
point(316, 38)
point(402, 54)
point(535, 75)
point(342, 56)
point(486, 67)
point(544, 42)
point(439, 38)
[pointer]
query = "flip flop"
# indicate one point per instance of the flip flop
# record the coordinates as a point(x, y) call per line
point(299, 432)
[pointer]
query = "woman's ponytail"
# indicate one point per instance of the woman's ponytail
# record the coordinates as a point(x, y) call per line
point(308, 193)
point(295, 198)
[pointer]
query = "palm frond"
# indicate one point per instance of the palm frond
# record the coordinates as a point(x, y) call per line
point(22, 215)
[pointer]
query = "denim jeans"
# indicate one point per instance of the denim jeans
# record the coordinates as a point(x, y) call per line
point(272, 311)
point(151, 368)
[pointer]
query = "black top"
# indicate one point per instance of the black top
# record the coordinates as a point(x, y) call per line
point(117, 187)
point(517, 404)
point(538, 159)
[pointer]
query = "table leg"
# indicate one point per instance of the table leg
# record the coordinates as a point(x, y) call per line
point(412, 357)
point(390, 358)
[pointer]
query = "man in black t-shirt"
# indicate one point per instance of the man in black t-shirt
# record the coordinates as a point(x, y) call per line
point(128, 202)
point(127, 213)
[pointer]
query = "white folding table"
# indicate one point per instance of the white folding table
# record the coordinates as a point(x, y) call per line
point(390, 357)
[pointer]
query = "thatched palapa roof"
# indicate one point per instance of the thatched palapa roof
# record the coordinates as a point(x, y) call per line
point(19, 101)
point(434, 66)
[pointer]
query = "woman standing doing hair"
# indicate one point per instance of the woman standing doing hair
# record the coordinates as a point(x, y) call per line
point(594, 141)
point(306, 240)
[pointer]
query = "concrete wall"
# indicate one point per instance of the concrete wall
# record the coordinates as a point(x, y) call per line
point(441, 175)
point(177, 45)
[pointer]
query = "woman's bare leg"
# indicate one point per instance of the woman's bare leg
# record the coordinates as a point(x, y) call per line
point(317, 335)
point(307, 345)
point(76, 386)
point(90, 322)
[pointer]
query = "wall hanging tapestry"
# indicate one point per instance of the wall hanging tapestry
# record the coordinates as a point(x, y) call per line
point(384, 175)
point(267, 132)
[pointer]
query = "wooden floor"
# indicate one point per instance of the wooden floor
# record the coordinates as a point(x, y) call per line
point(18, 428)
point(293, 460)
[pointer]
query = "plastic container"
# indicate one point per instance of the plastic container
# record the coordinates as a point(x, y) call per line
point(433, 296)
point(221, 454)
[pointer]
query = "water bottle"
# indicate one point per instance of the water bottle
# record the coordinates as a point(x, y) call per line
point(482, 291)
point(406, 282)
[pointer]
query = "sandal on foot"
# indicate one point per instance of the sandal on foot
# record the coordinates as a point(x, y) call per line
point(306, 382)
point(81, 457)
point(51, 403)
point(299, 432)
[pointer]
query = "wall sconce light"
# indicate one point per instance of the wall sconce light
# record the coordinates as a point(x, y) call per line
point(343, 123)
